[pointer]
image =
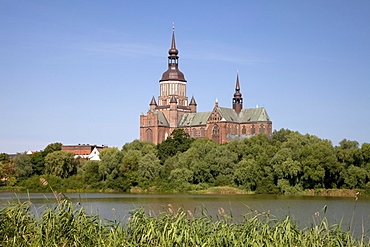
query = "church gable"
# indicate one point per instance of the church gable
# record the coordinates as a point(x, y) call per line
point(215, 116)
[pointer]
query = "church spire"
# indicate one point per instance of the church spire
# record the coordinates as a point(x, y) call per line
point(153, 104)
point(237, 86)
point(173, 73)
point(237, 100)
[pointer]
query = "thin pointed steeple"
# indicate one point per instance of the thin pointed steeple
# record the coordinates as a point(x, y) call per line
point(193, 104)
point(153, 102)
point(237, 86)
point(173, 73)
point(192, 101)
point(237, 100)
point(173, 51)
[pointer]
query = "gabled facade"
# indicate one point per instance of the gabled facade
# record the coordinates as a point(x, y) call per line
point(173, 111)
point(84, 151)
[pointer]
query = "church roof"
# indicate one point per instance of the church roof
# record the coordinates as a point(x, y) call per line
point(194, 119)
point(228, 114)
point(162, 120)
point(254, 115)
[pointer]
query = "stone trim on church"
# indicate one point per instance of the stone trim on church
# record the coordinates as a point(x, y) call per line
point(173, 111)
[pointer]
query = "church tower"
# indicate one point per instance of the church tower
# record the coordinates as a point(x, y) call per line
point(237, 100)
point(173, 82)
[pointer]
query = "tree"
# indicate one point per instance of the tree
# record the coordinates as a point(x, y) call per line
point(22, 165)
point(181, 178)
point(38, 163)
point(59, 163)
point(52, 147)
point(178, 141)
point(110, 164)
point(91, 174)
point(130, 161)
point(149, 167)
point(281, 135)
point(355, 177)
point(4, 158)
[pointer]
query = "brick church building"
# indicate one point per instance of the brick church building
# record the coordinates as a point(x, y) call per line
point(174, 111)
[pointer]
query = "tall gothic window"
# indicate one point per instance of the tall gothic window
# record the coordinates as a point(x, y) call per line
point(201, 132)
point(160, 136)
point(216, 133)
point(253, 130)
point(244, 131)
point(194, 133)
point(229, 129)
point(234, 130)
point(262, 128)
point(149, 135)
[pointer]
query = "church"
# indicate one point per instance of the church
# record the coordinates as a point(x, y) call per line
point(174, 111)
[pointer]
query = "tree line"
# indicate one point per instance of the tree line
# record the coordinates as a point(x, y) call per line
point(288, 163)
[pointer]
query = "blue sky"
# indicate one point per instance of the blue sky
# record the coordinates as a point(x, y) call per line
point(83, 71)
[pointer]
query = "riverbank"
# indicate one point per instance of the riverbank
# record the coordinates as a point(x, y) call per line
point(222, 190)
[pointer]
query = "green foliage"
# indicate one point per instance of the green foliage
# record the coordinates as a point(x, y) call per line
point(179, 141)
point(110, 163)
point(22, 165)
point(38, 163)
point(4, 158)
point(52, 147)
point(287, 163)
point(59, 163)
point(149, 167)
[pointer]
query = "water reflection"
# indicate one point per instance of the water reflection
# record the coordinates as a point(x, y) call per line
point(117, 206)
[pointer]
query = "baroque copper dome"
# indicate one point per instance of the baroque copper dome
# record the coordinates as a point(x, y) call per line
point(173, 73)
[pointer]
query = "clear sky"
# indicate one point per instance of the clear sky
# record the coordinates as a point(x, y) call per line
point(83, 71)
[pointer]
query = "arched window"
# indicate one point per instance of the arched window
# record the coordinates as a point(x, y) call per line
point(253, 130)
point(262, 128)
point(160, 136)
point(269, 130)
point(244, 131)
point(234, 130)
point(193, 133)
point(149, 135)
point(229, 129)
point(201, 132)
point(216, 133)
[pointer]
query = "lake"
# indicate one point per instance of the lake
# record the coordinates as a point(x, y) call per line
point(303, 209)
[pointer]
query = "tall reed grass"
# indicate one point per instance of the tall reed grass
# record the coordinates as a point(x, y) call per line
point(68, 224)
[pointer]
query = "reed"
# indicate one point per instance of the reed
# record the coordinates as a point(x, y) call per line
point(68, 225)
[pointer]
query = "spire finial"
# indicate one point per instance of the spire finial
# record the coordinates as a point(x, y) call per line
point(237, 86)
point(173, 25)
